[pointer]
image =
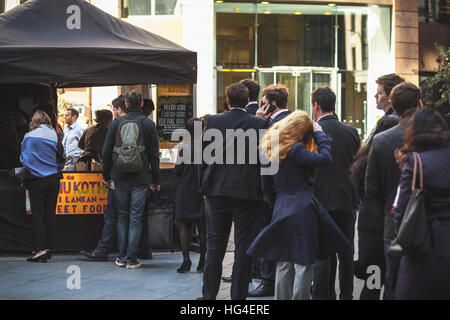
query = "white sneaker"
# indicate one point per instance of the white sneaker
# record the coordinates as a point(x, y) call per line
point(120, 263)
point(134, 265)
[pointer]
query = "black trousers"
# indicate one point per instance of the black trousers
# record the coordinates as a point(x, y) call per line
point(43, 197)
point(325, 270)
point(220, 213)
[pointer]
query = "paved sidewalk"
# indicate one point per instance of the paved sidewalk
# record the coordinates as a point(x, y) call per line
point(157, 279)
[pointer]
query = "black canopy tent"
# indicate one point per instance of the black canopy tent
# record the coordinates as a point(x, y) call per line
point(71, 43)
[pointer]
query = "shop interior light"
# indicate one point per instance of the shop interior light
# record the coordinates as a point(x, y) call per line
point(332, 4)
point(298, 12)
point(238, 70)
point(327, 13)
point(219, 1)
point(265, 2)
point(237, 10)
point(267, 12)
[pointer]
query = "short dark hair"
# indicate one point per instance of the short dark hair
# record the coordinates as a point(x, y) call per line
point(103, 116)
point(253, 88)
point(325, 98)
point(133, 98)
point(278, 93)
point(119, 103)
point(389, 81)
point(73, 112)
point(148, 107)
point(237, 95)
point(404, 97)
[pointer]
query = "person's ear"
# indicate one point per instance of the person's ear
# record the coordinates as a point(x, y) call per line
point(228, 103)
point(420, 104)
point(142, 103)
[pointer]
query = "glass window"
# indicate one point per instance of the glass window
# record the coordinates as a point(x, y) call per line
point(235, 40)
point(22, 1)
point(136, 8)
point(293, 40)
point(166, 7)
point(224, 79)
point(2, 6)
point(434, 11)
point(353, 100)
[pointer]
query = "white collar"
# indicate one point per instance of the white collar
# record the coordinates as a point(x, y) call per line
point(251, 102)
point(237, 109)
point(325, 115)
point(277, 113)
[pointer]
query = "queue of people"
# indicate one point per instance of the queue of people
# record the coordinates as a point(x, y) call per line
point(295, 226)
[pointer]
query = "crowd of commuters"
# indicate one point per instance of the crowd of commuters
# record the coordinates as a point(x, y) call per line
point(292, 228)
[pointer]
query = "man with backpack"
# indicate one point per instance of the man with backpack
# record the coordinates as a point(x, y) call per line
point(131, 145)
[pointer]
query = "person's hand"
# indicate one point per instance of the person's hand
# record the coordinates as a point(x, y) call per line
point(155, 187)
point(109, 184)
point(317, 127)
point(262, 112)
point(204, 198)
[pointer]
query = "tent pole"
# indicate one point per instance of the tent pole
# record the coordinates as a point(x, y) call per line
point(54, 101)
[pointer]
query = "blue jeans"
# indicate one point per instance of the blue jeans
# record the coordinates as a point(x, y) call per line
point(130, 203)
point(105, 243)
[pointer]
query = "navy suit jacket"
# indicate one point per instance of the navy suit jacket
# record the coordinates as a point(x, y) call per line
point(333, 185)
point(233, 180)
point(279, 117)
point(252, 108)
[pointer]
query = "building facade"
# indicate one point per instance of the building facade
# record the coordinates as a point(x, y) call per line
point(344, 44)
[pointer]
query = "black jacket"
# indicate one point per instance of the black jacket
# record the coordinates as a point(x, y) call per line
point(381, 182)
point(252, 108)
point(333, 185)
point(151, 151)
point(233, 180)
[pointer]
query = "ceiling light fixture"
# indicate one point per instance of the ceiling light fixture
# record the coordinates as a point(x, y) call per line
point(298, 12)
point(238, 10)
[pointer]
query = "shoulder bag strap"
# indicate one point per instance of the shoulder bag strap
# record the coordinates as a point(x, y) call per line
point(417, 162)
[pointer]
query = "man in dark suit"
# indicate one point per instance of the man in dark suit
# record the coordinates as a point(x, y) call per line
point(277, 96)
point(336, 191)
point(383, 175)
point(232, 191)
point(253, 92)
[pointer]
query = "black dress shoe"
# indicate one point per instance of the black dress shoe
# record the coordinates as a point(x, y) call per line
point(262, 291)
point(185, 266)
point(95, 255)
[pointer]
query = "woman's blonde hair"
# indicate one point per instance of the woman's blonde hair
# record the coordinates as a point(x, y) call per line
point(295, 128)
point(39, 117)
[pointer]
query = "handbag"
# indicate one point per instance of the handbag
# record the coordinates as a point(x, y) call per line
point(162, 231)
point(413, 228)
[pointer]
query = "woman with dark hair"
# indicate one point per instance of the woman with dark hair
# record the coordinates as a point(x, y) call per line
point(425, 274)
point(189, 205)
point(42, 156)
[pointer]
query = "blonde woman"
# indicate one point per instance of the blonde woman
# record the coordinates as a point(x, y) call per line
point(41, 155)
point(301, 230)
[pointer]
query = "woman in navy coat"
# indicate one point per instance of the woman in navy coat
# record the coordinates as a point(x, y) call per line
point(189, 206)
point(426, 274)
point(301, 230)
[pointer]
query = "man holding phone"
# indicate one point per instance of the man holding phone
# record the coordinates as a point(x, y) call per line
point(273, 103)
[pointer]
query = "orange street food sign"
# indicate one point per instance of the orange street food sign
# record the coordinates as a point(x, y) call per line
point(177, 90)
point(82, 193)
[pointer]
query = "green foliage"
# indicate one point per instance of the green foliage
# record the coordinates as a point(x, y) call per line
point(436, 90)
